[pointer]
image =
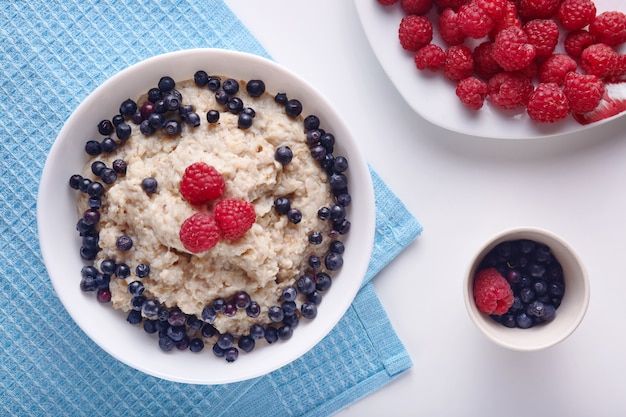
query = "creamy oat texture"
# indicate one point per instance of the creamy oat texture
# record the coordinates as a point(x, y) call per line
point(271, 255)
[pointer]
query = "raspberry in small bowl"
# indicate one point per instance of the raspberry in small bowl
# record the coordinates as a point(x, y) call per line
point(526, 289)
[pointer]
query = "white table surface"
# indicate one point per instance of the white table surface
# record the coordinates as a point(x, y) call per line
point(463, 190)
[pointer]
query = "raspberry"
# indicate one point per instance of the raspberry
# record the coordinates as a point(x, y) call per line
point(472, 92)
point(484, 64)
point(554, 68)
point(609, 28)
point(474, 22)
point(576, 14)
point(449, 28)
point(199, 233)
point(417, 7)
point(387, 2)
point(458, 63)
point(543, 34)
point(234, 217)
point(201, 183)
point(415, 32)
point(511, 49)
point(583, 92)
point(537, 9)
point(547, 104)
point(492, 292)
point(598, 59)
point(493, 8)
point(430, 57)
point(453, 4)
point(576, 41)
point(508, 18)
point(509, 90)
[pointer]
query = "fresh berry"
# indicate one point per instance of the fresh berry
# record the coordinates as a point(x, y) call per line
point(511, 49)
point(577, 41)
point(612, 103)
point(492, 292)
point(576, 14)
point(609, 28)
point(416, 7)
point(415, 32)
point(598, 59)
point(430, 57)
point(509, 18)
point(234, 217)
point(484, 64)
point(201, 182)
point(199, 233)
point(537, 9)
point(554, 68)
point(472, 92)
point(449, 28)
point(458, 63)
point(543, 34)
point(510, 90)
point(547, 104)
point(474, 21)
point(493, 8)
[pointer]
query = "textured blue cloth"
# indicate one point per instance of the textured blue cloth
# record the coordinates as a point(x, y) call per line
point(52, 55)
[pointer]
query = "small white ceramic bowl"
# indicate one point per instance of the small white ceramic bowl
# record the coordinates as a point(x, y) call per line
point(57, 216)
point(568, 316)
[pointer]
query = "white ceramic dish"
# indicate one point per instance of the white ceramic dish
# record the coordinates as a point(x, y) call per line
point(570, 313)
point(432, 96)
point(56, 217)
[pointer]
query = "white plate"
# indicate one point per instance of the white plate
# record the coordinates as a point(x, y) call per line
point(56, 218)
point(432, 96)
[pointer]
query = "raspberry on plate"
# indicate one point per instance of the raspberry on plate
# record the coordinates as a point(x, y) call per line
point(449, 28)
point(474, 21)
point(430, 57)
point(415, 32)
point(201, 183)
point(472, 92)
point(199, 233)
point(484, 64)
point(492, 292)
point(417, 7)
point(547, 104)
point(459, 62)
point(537, 9)
point(543, 34)
point(583, 91)
point(554, 68)
point(509, 18)
point(493, 8)
point(511, 49)
point(234, 217)
point(576, 14)
point(577, 41)
point(598, 59)
point(609, 28)
point(510, 90)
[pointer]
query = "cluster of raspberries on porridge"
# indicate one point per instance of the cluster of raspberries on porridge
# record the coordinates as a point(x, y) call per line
point(212, 214)
point(549, 58)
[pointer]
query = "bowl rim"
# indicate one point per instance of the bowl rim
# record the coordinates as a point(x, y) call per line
point(46, 202)
point(532, 341)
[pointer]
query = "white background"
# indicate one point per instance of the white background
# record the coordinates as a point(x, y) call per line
point(463, 189)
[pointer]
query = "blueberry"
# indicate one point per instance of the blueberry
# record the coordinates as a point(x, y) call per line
point(208, 330)
point(305, 284)
point(292, 321)
point(123, 131)
point(171, 102)
point(136, 303)
point(149, 185)
point(318, 152)
point(156, 120)
point(337, 246)
point(142, 270)
point(282, 205)
point(255, 88)
point(257, 331)
point(285, 332)
point(271, 335)
point(315, 238)
point(119, 166)
point(90, 241)
point(212, 116)
point(337, 212)
point(108, 266)
point(124, 243)
point(117, 119)
point(294, 216)
point(95, 189)
point(313, 137)
point(108, 145)
point(134, 317)
point(150, 308)
point(289, 308)
point(235, 105)
point(527, 295)
point(345, 199)
point(556, 288)
point(154, 95)
point(275, 313)
point(281, 98)
point(91, 217)
point(231, 354)
point(150, 326)
point(315, 297)
point(88, 284)
point(283, 155)
point(193, 118)
point(324, 282)
point(230, 309)
point(221, 97)
point(253, 310)
point(225, 340)
point(230, 86)
point(244, 121)
point(219, 304)
point(315, 262)
point(97, 167)
point(549, 312)
point(94, 202)
point(196, 345)
point(246, 343)
point(323, 213)
point(93, 147)
point(84, 228)
point(105, 127)
point(308, 310)
point(342, 226)
point(209, 314)
point(311, 122)
point(540, 287)
point(218, 351)
point(333, 261)
point(146, 129)
point(293, 108)
point(137, 117)
point(523, 321)
point(338, 181)
point(194, 322)
point(249, 111)
point(166, 84)
point(176, 333)
point(536, 309)
point(328, 142)
point(201, 78)
point(176, 317)
point(340, 164)
point(508, 320)
point(214, 83)
point(289, 293)
point(75, 181)
point(136, 288)
point(88, 253)
point(172, 127)
point(128, 107)
point(242, 300)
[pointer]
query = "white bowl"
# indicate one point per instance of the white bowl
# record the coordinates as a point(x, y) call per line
point(56, 217)
point(568, 316)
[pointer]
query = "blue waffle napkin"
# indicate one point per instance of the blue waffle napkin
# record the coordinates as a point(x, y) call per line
point(52, 55)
